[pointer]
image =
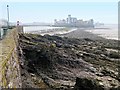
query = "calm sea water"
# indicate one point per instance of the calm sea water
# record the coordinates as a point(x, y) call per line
point(42, 30)
point(34, 29)
point(106, 31)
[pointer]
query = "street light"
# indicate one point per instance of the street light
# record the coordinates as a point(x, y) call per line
point(8, 16)
point(7, 27)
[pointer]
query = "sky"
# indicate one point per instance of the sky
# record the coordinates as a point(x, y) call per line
point(27, 12)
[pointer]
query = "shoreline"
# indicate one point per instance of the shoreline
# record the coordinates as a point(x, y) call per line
point(74, 33)
point(87, 33)
point(81, 33)
point(70, 33)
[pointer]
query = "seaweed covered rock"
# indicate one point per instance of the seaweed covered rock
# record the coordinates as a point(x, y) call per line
point(87, 84)
point(55, 62)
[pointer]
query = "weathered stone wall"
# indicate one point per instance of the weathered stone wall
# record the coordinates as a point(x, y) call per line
point(10, 76)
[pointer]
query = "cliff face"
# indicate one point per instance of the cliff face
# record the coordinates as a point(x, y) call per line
point(55, 62)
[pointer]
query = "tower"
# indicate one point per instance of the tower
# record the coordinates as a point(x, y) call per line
point(69, 19)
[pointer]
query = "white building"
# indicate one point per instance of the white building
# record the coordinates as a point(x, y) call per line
point(73, 22)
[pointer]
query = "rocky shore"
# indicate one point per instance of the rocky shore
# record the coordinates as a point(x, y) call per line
point(81, 34)
point(68, 62)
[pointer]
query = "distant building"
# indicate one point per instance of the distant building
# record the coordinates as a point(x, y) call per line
point(99, 24)
point(74, 22)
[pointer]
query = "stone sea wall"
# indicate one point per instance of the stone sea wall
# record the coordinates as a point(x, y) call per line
point(10, 76)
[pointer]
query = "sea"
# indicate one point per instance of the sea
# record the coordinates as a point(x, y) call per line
point(33, 29)
point(108, 31)
point(42, 30)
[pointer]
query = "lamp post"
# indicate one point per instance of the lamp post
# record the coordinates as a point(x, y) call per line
point(7, 27)
point(8, 16)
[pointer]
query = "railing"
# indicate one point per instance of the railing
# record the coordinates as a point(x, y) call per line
point(4, 30)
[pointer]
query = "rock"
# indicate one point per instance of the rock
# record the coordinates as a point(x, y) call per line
point(87, 84)
point(108, 72)
point(99, 74)
point(54, 59)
